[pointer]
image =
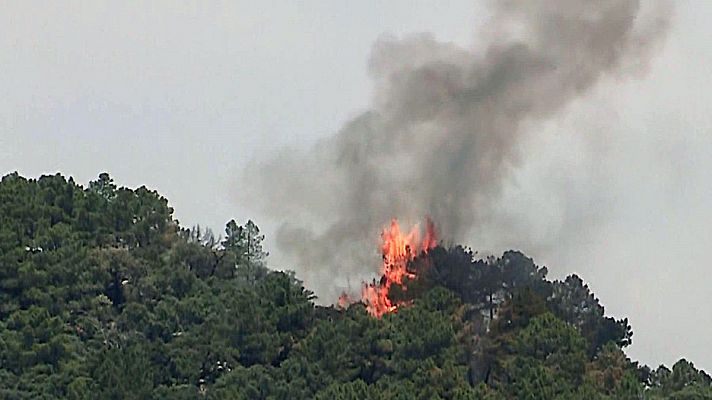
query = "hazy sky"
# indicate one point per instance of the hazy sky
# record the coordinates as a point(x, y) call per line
point(182, 97)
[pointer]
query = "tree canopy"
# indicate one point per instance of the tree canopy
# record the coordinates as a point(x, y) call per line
point(104, 295)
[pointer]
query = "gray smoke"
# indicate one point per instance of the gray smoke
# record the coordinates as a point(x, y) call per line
point(443, 132)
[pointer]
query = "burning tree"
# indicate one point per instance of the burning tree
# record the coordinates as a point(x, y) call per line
point(398, 249)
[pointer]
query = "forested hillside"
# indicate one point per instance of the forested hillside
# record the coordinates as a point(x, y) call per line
point(103, 295)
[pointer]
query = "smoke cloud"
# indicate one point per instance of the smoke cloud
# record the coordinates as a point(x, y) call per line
point(443, 133)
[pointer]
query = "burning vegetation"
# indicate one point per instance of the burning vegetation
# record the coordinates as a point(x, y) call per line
point(398, 248)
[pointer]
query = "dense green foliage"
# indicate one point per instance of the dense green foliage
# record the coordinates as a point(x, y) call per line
point(104, 296)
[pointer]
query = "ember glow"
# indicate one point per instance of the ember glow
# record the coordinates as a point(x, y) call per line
point(398, 249)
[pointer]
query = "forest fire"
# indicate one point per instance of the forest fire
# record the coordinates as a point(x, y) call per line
point(398, 249)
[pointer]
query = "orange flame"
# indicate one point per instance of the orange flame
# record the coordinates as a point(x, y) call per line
point(398, 250)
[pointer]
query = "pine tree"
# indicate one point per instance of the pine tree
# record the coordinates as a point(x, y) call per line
point(104, 186)
point(245, 242)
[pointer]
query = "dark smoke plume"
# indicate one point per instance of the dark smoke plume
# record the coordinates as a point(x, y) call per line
point(443, 131)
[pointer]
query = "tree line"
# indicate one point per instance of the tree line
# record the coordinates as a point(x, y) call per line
point(104, 295)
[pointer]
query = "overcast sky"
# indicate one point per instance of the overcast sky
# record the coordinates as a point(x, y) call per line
point(182, 97)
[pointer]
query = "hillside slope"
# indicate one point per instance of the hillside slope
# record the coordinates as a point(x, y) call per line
point(104, 295)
